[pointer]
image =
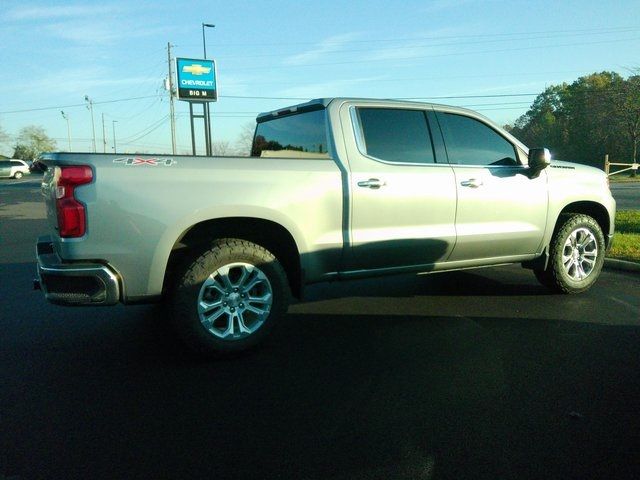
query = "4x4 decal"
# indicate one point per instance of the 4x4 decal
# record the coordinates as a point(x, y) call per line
point(154, 162)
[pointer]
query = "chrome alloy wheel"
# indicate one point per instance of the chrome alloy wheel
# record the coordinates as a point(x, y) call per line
point(579, 253)
point(234, 301)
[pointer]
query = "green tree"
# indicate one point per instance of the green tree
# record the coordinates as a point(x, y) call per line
point(32, 141)
point(544, 124)
point(592, 119)
point(595, 115)
point(628, 107)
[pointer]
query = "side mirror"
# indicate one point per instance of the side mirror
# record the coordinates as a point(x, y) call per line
point(539, 159)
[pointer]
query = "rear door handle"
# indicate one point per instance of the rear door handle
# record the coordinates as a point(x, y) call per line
point(372, 183)
point(472, 182)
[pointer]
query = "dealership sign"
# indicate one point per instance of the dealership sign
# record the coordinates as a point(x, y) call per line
point(196, 80)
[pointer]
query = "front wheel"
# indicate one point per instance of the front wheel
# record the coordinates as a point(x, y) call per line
point(227, 297)
point(17, 175)
point(576, 255)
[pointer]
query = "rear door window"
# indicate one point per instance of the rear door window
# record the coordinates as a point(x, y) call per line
point(396, 135)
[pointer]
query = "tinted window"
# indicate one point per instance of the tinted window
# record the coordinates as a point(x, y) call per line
point(396, 135)
point(299, 136)
point(470, 142)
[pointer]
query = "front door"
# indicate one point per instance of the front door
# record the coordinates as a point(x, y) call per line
point(502, 209)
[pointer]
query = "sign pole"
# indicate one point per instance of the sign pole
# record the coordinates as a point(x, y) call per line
point(193, 135)
point(207, 127)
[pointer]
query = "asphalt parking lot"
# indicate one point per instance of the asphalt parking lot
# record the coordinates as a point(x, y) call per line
point(477, 374)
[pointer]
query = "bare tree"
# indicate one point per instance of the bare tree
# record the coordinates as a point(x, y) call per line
point(222, 148)
point(4, 136)
point(245, 139)
point(4, 139)
point(33, 140)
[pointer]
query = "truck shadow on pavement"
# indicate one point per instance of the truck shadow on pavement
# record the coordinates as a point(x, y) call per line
point(109, 393)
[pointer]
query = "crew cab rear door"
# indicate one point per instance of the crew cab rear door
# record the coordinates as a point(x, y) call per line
point(502, 208)
point(402, 199)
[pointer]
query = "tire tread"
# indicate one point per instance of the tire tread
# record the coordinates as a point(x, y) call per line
point(554, 276)
point(200, 264)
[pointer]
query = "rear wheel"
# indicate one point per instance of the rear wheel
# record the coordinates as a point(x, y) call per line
point(227, 298)
point(17, 175)
point(576, 255)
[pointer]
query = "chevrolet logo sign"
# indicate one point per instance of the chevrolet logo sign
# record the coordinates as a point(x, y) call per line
point(196, 69)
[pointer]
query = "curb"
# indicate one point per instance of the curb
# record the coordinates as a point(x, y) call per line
point(621, 265)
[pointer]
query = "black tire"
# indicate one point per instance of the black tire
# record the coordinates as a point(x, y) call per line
point(574, 268)
point(17, 175)
point(234, 259)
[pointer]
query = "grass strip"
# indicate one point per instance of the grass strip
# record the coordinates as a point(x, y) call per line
point(626, 242)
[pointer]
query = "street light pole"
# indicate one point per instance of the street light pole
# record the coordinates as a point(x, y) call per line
point(207, 117)
point(104, 136)
point(113, 126)
point(93, 125)
point(204, 40)
point(66, 117)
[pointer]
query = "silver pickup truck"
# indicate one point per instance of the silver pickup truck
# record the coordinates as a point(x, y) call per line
point(334, 189)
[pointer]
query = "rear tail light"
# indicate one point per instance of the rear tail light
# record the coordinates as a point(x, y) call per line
point(72, 219)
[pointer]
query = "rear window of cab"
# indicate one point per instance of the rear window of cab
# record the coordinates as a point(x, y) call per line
point(303, 135)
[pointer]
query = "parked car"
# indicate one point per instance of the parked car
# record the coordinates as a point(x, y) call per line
point(13, 168)
point(334, 189)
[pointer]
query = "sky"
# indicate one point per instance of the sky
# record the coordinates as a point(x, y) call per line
point(490, 56)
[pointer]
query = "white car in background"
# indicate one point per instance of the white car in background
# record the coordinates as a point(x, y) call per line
point(14, 168)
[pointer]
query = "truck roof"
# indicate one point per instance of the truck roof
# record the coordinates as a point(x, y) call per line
point(315, 104)
point(320, 103)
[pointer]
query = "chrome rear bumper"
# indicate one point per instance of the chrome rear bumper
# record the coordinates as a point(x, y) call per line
point(91, 284)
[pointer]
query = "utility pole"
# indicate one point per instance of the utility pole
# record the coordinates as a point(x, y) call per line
point(113, 126)
point(93, 125)
point(172, 108)
point(104, 137)
point(66, 117)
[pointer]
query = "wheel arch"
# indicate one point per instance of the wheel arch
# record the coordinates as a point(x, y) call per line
point(594, 209)
point(266, 233)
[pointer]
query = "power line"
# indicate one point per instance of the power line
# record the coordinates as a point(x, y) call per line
point(236, 97)
point(470, 96)
point(430, 45)
point(436, 55)
point(263, 98)
point(142, 111)
point(146, 131)
point(302, 99)
point(75, 105)
point(426, 37)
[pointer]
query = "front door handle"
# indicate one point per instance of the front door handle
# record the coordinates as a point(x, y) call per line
point(472, 182)
point(372, 183)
